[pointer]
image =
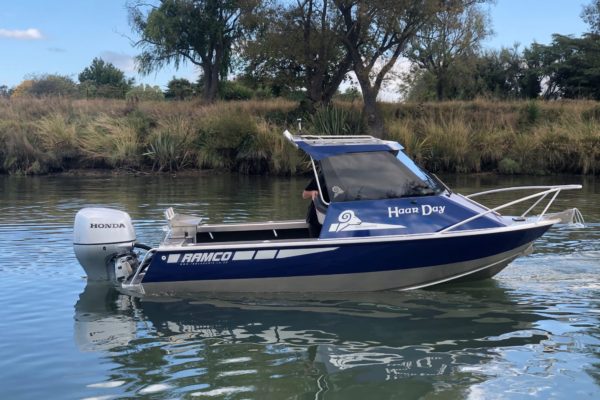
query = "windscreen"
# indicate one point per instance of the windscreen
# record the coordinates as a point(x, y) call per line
point(373, 176)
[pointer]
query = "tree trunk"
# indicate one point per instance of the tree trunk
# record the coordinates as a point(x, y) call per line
point(371, 113)
point(439, 88)
point(211, 84)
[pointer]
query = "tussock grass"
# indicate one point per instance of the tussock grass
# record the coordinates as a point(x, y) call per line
point(40, 135)
point(169, 146)
point(508, 137)
point(109, 142)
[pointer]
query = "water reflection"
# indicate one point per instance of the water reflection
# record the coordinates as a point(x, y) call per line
point(532, 331)
point(222, 344)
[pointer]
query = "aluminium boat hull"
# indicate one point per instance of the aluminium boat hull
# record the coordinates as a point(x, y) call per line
point(351, 265)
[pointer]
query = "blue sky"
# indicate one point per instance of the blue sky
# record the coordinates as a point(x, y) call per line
point(62, 37)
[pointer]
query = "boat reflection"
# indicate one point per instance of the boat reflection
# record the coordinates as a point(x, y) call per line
point(378, 336)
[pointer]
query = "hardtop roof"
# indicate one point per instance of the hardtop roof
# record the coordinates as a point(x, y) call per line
point(320, 147)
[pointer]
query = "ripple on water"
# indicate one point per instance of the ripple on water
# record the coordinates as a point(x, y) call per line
point(531, 332)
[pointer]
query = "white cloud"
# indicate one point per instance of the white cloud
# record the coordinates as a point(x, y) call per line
point(27, 34)
point(124, 62)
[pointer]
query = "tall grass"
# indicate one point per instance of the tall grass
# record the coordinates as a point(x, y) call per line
point(44, 135)
point(57, 138)
point(508, 137)
point(170, 145)
point(335, 120)
point(110, 142)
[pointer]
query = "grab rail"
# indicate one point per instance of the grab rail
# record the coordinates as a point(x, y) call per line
point(556, 189)
point(510, 189)
point(148, 254)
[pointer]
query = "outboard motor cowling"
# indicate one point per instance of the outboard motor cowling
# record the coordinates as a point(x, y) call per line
point(101, 234)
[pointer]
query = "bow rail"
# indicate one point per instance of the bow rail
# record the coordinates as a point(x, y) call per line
point(545, 191)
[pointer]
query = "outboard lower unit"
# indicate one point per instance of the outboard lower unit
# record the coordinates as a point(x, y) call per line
point(104, 241)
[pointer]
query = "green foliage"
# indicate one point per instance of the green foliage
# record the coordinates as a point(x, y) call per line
point(220, 138)
point(232, 90)
point(5, 91)
point(50, 85)
point(179, 89)
point(570, 66)
point(508, 166)
point(145, 93)
point(103, 79)
point(452, 36)
point(202, 32)
point(330, 120)
point(501, 74)
point(591, 15)
point(40, 135)
point(170, 145)
point(298, 45)
point(351, 94)
point(531, 113)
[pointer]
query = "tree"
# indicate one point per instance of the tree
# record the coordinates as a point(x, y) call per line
point(22, 89)
point(450, 39)
point(591, 15)
point(179, 89)
point(376, 34)
point(5, 91)
point(201, 32)
point(502, 74)
point(299, 45)
point(46, 85)
point(570, 66)
point(104, 79)
point(506, 74)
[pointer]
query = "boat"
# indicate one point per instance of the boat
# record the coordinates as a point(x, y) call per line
point(384, 223)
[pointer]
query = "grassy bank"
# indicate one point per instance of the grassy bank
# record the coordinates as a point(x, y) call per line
point(46, 135)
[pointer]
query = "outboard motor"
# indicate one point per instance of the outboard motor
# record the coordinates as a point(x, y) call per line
point(103, 243)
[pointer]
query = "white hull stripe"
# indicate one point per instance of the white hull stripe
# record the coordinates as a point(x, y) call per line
point(353, 282)
point(265, 254)
point(303, 252)
point(243, 255)
point(262, 254)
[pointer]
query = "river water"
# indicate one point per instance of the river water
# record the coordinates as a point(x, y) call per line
point(531, 332)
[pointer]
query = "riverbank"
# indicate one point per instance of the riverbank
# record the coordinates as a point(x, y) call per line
point(39, 136)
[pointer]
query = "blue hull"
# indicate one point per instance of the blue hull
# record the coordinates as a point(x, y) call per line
point(400, 260)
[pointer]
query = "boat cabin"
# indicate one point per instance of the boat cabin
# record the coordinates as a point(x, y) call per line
point(367, 187)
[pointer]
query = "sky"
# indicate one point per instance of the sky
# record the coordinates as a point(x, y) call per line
point(62, 37)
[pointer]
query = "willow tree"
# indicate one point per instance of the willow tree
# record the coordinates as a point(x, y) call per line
point(201, 32)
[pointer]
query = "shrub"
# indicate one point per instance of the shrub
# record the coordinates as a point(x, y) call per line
point(231, 90)
point(220, 137)
point(509, 166)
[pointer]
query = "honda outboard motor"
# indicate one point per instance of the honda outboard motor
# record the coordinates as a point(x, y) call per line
point(103, 243)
